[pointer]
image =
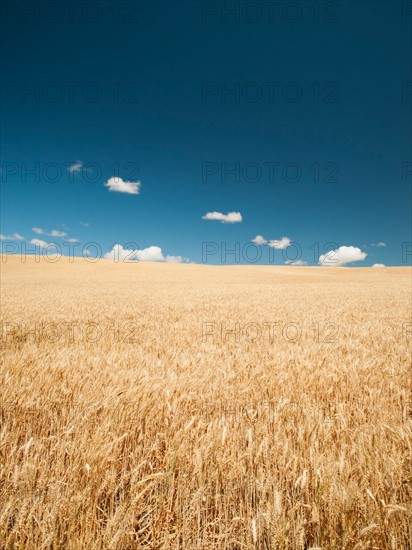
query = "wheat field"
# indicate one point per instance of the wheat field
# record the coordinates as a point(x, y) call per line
point(172, 406)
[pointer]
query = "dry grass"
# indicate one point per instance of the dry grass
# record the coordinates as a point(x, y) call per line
point(156, 436)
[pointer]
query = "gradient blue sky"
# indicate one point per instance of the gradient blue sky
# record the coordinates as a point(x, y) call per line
point(352, 67)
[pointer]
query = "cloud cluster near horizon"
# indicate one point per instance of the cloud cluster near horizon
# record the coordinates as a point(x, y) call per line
point(150, 254)
point(13, 237)
point(296, 262)
point(342, 256)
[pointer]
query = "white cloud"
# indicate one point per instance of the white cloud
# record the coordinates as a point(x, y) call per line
point(84, 224)
point(283, 243)
point(230, 217)
point(176, 259)
point(40, 243)
point(342, 256)
point(280, 245)
point(378, 244)
point(119, 253)
point(72, 240)
point(379, 265)
point(150, 254)
point(53, 232)
point(13, 237)
point(296, 262)
point(117, 184)
point(75, 168)
point(259, 240)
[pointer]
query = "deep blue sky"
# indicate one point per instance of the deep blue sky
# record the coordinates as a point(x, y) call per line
point(349, 69)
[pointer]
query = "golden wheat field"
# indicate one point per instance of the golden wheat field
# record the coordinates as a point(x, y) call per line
point(172, 406)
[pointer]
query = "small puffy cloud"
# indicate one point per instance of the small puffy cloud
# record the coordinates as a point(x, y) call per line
point(13, 237)
point(40, 243)
point(53, 232)
point(76, 167)
point(379, 265)
point(85, 224)
point(342, 256)
point(259, 240)
point(296, 262)
point(378, 244)
point(280, 245)
point(72, 240)
point(230, 217)
point(120, 186)
point(150, 254)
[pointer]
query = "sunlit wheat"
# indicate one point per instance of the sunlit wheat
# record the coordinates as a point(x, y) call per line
point(140, 425)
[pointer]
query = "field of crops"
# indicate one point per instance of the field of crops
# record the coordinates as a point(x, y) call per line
point(172, 406)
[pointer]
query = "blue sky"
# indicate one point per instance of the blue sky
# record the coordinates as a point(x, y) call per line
point(300, 121)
